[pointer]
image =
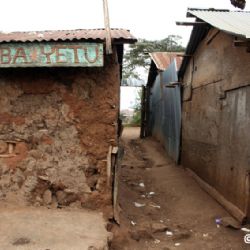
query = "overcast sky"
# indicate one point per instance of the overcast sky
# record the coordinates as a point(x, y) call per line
point(150, 19)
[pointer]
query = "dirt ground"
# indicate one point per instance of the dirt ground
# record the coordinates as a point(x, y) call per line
point(162, 207)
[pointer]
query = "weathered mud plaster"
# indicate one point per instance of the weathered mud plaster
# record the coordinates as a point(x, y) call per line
point(56, 126)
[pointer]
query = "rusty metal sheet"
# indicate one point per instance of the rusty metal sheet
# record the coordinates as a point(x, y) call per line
point(62, 54)
point(117, 35)
point(162, 60)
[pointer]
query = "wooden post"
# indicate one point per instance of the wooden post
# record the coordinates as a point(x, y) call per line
point(231, 208)
point(107, 27)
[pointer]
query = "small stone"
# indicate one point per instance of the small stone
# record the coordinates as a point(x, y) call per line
point(21, 241)
point(3, 147)
point(44, 178)
point(76, 204)
point(39, 199)
point(151, 211)
point(47, 197)
point(4, 169)
point(18, 177)
point(70, 198)
point(158, 227)
point(37, 204)
point(61, 196)
point(140, 234)
point(92, 248)
point(36, 154)
point(40, 125)
point(182, 236)
point(69, 191)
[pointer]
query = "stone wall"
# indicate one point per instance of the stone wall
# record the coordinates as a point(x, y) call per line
point(56, 127)
point(216, 117)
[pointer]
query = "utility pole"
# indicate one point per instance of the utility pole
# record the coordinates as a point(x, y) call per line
point(107, 27)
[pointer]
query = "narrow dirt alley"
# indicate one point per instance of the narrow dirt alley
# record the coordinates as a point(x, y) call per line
point(162, 207)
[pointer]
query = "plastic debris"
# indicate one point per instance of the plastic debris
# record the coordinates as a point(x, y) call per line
point(155, 206)
point(151, 193)
point(244, 229)
point(142, 184)
point(143, 196)
point(218, 222)
point(133, 223)
point(161, 221)
point(169, 233)
point(205, 235)
point(139, 204)
point(177, 244)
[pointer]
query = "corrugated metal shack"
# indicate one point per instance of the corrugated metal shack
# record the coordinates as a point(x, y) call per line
point(216, 108)
point(162, 102)
point(59, 114)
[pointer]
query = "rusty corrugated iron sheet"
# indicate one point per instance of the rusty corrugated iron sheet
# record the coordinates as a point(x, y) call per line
point(118, 35)
point(162, 60)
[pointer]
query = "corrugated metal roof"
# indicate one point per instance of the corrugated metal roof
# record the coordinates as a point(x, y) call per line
point(163, 59)
point(118, 35)
point(233, 22)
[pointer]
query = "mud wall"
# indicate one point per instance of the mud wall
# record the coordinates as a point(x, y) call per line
point(216, 117)
point(56, 127)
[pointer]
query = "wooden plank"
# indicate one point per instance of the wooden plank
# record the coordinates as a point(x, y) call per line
point(231, 208)
point(49, 54)
point(107, 27)
point(190, 23)
point(117, 167)
point(109, 166)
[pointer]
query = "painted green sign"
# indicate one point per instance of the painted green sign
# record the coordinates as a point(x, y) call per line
point(63, 54)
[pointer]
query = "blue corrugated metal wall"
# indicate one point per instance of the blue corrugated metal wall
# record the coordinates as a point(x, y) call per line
point(165, 111)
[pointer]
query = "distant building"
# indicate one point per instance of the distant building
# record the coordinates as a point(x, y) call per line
point(161, 111)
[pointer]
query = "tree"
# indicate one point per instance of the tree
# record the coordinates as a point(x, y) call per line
point(138, 54)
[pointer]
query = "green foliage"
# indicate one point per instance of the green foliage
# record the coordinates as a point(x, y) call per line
point(138, 54)
point(239, 3)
